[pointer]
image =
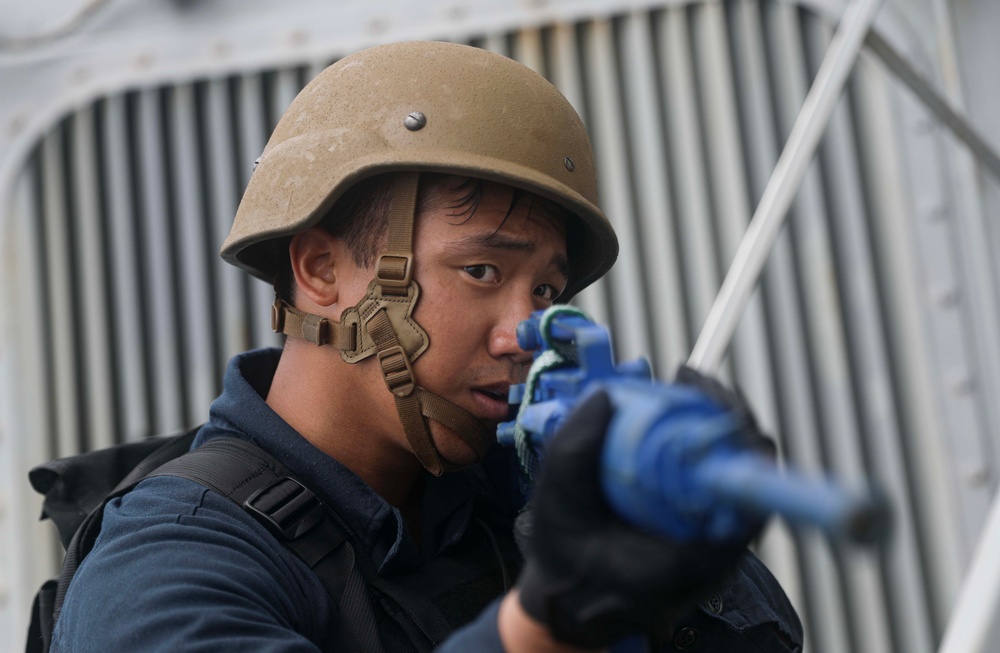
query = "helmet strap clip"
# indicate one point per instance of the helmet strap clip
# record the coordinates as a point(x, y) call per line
point(394, 271)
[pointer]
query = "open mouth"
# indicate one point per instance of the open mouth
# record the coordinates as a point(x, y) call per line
point(491, 403)
point(502, 396)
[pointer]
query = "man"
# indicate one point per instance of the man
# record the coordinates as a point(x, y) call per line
point(415, 202)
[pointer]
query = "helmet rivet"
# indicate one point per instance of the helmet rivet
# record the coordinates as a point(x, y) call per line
point(257, 162)
point(415, 121)
point(568, 162)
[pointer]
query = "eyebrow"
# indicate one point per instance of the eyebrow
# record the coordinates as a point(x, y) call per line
point(494, 240)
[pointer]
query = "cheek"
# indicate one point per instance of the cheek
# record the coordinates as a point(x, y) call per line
point(444, 291)
point(457, 344)
point(455, 337)
point(450, 313)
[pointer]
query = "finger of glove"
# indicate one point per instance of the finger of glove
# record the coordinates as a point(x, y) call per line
point(711, 388)
point(575, 531)
point(569, 506)
point(574, 451)
point(750, 435)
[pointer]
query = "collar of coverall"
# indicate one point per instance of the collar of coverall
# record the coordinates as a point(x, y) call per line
point(381, 324)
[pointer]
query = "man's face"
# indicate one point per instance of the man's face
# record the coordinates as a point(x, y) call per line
point(479, 277)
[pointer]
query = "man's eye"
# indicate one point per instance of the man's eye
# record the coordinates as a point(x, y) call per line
point(547, 292)
point(482, 272)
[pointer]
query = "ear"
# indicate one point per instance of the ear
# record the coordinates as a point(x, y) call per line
point(316, 257)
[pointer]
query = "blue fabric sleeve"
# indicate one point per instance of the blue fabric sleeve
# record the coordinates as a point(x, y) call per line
point(481, 635)
point(177, 567)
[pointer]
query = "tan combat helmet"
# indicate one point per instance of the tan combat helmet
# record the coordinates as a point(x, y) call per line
point(407, 108)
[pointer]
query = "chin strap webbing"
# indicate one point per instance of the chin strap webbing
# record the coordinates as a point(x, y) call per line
point(394, 273)
point(458, 420)
point(318, 330)
point(394, 270)
point(414, 403)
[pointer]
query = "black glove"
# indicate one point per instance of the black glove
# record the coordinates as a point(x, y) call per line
point(590, 577)
point(750, 436)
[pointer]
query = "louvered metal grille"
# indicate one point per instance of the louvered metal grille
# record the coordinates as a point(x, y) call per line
point(127, 201)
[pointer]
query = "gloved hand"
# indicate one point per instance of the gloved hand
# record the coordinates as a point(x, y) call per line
point(590, 577)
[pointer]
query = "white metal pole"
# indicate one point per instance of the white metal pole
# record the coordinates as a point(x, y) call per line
point(975, 624)
point(784, 183)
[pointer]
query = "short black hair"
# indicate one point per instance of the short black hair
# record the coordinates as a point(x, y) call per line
point(361, 218)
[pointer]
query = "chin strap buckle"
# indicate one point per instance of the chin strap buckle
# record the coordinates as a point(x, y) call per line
point(278, 316)
point(396, 371)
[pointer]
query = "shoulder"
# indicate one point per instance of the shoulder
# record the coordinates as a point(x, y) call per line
point(176, 563)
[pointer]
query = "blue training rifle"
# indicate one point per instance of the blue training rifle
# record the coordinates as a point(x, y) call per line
point(673, 463)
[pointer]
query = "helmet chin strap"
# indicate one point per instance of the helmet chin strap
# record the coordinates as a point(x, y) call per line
point(381, 324)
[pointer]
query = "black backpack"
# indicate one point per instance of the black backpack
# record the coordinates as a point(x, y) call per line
point(377, 614)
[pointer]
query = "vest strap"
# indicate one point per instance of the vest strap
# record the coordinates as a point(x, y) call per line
point(252, 478)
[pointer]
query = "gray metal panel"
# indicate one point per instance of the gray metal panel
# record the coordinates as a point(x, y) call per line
point(156, 245)
point(567, 76)
point(957, 444)
point(191, 261)
point(132, 397)
point(26, 407)
point(529, 50)
point(700, 263)
point(496, 42)
point(977, 265)
point(59, 315)
point(975, 627)
point(224, 188)
point(96, 386)
point(631, 335)
point(879, 426)
point(975, 40)
point(663, 282)
point(948, 317)
point(731, 201)
point(905, 306)
point(254, 130)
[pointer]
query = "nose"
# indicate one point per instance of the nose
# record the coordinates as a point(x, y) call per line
point(503, 336)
